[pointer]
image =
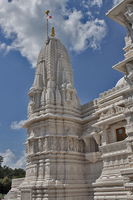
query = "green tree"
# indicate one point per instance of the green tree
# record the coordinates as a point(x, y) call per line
point(1, 186)
point(1, 160)
point(6, 185)
point(6, 176)
point(19, 173)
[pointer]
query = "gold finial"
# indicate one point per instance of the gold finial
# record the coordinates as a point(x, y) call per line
point(52, 32)
point(47, 12)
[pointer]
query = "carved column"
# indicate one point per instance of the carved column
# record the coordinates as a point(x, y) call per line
point(104, 134)
point(129, 125)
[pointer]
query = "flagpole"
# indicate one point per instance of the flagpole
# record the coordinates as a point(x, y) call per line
point(47, 27)
point(47, 12)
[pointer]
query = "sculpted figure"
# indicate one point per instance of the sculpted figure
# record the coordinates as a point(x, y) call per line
point(129, 19)
point(40, 145)
point(77, 145)
point(129, 76)
point(129, 14)
point(71, 147)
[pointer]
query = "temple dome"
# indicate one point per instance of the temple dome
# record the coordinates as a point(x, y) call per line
point(121, 81)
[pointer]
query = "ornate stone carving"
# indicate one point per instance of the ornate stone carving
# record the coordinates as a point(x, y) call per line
point(76, 145)
point(112, 111)
point(40, 144)
point(45, 145)
point(31, 147)
point(71, 144)
point(129, 75)
point(53, 143)
point(111, 91)
point(129, 19)
point(113, 147)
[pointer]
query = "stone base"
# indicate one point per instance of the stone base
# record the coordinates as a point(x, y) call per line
point(48, 191)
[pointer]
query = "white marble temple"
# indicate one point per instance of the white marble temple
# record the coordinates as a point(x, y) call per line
point(79, 151)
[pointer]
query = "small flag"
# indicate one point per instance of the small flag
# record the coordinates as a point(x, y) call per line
point(49, 17)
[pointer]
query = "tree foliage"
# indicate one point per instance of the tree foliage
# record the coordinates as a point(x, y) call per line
point(1, 160)
point(6, 176)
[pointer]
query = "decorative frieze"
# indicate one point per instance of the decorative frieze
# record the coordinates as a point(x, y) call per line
point(115, 161)
point(113, 147)
point(54, 143)
point(128, 99)
point(112, 91)
point(114, 110)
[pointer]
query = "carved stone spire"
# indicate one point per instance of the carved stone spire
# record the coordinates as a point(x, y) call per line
point(53, 82)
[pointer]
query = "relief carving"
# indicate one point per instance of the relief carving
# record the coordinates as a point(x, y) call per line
point(111, 112)
point(129, 19)
point(114, 147)
point(71, 144)
point(129, 75)
point(45, 145)
point(61, 145)
point(53, 143)
point(31, 146)
point(77, 147)
point(40, 145)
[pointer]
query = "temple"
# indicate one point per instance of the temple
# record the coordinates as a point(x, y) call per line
point(74, 151)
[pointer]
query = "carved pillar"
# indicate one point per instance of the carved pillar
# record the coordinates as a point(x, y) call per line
point(129, 126)
point(63, 95)
point(40, 170)
point(104, 134)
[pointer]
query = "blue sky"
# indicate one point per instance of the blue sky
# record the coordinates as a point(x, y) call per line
point(94, 42)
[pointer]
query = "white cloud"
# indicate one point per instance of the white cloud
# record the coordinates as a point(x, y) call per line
point(9, 160)
point(25, 23)
point(91, 3)
point(9, 157)
point(17, 125)
point(21, 163)
point(96, 2)
point(116, 1)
